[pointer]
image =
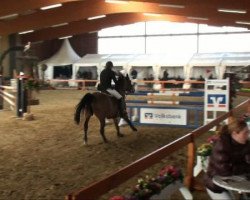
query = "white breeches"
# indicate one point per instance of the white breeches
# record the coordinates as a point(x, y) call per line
point(114, 93)
point(226, 195)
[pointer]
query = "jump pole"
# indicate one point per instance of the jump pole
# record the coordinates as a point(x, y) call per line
point(22, 100)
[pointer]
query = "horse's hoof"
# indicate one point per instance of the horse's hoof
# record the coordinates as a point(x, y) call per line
point(134, 129)
point(85, 143)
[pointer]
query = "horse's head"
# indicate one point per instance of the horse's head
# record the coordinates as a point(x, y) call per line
point(124, 84)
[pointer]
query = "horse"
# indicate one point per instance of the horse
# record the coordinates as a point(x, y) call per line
point(103, 106)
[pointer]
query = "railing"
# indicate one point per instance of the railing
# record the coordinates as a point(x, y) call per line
point(84, 83)
point(245, 84)
point(100, 188)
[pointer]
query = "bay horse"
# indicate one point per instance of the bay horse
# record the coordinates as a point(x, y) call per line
point(104, 106)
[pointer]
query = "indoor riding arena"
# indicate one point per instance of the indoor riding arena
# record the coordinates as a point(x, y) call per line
point(46, 159)
point(168, 75)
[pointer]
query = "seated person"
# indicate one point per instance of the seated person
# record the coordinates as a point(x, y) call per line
point(165, 75)
point(179, 85)
point(230, 156)
point(134, 74)
point(150, 78)
point(200, 85)
point(248, 78)
point(211, 77)
point(200, 78)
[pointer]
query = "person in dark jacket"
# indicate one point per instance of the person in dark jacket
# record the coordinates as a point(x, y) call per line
point(106, 77)
point(230, 156)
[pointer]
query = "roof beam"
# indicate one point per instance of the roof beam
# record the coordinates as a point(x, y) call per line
point(20, 6)
point(80, 10)
point(230, 4)
point(86, 26)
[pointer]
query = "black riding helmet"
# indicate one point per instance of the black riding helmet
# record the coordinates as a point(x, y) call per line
point(109, 65)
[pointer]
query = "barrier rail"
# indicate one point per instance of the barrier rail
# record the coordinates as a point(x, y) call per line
point(81, 84)
point(160, 109)
point(93, 82)
point(101, 187)
point(245, 84)
point(7, 96)
point(187, 84)
point(19, 101)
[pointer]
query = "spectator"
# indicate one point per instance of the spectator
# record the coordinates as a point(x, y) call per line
point(230, 156)
point(165, 75)
point(134, 74)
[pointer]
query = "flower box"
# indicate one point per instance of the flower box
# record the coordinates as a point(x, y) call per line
point(170, 189)
point(161, 187)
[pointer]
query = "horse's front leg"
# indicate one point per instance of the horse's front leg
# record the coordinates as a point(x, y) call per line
point(129, 123)
point(119, 134)
point(102, 124)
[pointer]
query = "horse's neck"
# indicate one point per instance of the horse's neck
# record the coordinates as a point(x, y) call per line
point(121, 91)
point(120, 87)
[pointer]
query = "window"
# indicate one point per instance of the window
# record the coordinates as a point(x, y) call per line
point(172, 45)
point(161, 27)
point(124, 45)
point(224, 43)
point(172, 38)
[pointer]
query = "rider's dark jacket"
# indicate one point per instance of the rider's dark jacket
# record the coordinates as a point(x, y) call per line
point(106, 77)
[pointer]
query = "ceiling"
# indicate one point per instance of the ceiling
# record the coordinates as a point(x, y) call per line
point(72, 17)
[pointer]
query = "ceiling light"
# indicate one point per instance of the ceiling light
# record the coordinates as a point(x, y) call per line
point(152, 14)
point(9, 16)
point(231, 11)
point(242, 22)
point(24, 32)
point(172, 5)
point(65, 37)
point(57, 25)
point(198, 18)
point(96, 17)
point(116, 1)
point(51, 6)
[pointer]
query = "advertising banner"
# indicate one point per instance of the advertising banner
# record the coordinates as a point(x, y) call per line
point(163, 116)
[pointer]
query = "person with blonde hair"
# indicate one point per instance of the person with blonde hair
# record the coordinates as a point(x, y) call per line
point(230, 156)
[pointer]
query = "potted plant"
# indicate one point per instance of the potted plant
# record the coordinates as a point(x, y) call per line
point(156, 187)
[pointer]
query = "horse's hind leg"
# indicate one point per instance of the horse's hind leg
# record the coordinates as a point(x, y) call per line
point(119, 134)
point(86, 125)
point(102, 123)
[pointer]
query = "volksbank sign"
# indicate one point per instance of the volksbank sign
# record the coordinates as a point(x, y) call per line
point(163, 116)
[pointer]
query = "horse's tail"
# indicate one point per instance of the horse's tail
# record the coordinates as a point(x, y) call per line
point(85, 101)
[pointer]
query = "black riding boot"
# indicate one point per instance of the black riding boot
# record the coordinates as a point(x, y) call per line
point(122, 108)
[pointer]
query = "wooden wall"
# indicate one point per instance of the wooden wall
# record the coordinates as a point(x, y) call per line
point(82, 44)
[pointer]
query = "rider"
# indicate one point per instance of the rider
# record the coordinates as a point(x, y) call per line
point(106, 77)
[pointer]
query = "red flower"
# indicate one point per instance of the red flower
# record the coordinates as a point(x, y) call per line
point(117, 198)
point(212, 139)
point(167, 170)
